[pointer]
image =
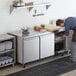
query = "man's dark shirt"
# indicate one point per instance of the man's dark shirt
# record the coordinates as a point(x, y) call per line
point(70, 23)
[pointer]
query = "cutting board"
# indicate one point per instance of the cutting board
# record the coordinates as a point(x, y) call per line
point(52, 28)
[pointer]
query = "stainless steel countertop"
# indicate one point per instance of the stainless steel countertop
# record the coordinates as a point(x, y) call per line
point(32, 33)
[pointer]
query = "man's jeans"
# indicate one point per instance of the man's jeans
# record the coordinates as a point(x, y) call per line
point(73, 52)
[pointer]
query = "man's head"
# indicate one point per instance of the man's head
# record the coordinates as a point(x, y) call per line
point(60, 22)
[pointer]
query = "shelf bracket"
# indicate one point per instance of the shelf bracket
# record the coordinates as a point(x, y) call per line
point(11, 9)
point(47, 6)
point(30, 8)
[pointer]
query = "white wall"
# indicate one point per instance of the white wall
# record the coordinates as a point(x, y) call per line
point(22, 17)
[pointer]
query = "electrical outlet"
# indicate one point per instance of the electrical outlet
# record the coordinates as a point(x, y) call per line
point(51, 22)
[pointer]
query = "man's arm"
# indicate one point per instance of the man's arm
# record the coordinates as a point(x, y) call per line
point(64, 36)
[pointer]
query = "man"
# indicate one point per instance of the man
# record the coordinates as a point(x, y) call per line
point(69, 24)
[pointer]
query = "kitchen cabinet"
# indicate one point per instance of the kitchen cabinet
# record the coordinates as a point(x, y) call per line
point(28, 49)
point(46, 45)
point(34, 46)
point(31, 49)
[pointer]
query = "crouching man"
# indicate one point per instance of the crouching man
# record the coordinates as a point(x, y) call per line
point(69, 24)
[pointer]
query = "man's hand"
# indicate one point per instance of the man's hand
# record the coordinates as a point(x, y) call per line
point(64, 37)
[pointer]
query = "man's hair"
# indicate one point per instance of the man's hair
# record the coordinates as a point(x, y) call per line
point(59, 21)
